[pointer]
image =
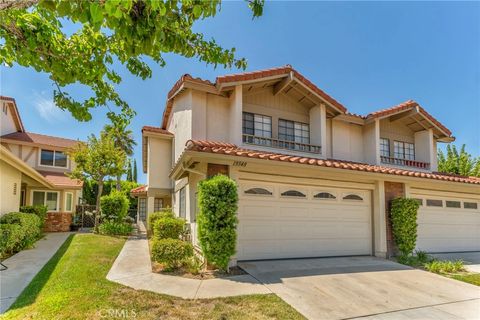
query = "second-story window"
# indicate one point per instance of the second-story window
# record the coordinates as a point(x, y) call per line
point(404, 150)
point(257, 125)
point(293, 131)
point(53, 158)
point(384, 147)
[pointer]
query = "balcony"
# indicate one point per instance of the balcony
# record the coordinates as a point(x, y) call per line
point(281, 144)
point(405, 163)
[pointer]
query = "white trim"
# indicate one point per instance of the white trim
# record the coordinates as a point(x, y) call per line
point(45, 198)
point(66, 209)
point(67, 167)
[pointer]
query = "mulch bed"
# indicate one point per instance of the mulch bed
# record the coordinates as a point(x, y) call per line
point(203, 275)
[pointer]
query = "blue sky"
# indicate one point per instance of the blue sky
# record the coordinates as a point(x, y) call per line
point(367, 55)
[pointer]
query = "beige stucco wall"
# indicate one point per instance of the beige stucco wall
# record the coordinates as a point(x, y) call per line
point(159, 162)
point(9, 201)
point(217, 110)
point(180, 123)
point(371, 146)
point(347, 141)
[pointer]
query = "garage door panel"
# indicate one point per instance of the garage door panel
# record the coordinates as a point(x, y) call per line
point(443, 229)
point(258, 211)
point(280, 227)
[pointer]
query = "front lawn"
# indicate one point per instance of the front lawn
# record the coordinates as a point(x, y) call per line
point(73, 286)
point(472, 278)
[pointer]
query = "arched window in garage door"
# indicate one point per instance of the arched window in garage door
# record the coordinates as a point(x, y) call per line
point(324, 195)
point(258, 191)
point(293, 193)
point(354, 197)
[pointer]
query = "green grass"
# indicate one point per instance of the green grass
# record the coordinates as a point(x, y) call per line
point(72, 285)
point(472, 278)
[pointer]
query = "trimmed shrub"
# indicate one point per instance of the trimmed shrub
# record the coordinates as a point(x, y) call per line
point(153, 217)
point(437, 266)
point(403, 214)
point(40, 211)
point(171, 252)
point(11, 236)
point(168, 228)
point(217, 219)
point(29, 224)
point(114, 206)
point(115, 228)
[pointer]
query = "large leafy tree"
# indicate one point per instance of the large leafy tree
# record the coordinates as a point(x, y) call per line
point(97, 159)
point(458, 162)
point(122, 136)
point(33, 34)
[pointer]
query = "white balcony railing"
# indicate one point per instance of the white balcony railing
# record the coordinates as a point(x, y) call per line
point(405, 162)
point(281, 144)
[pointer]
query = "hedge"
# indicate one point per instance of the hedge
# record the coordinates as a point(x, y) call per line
point(114, 206)
point(217, 219)
point(403, 214)
point(168, 228)
point(115, 228)
point(18, 231)
point(153, 217)
point(40, 211)
point(171, 252)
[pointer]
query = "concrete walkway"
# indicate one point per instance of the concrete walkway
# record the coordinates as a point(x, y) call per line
point(133, 268)
point(23, 266)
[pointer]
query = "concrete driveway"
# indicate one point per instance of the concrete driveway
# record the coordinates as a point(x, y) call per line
point(351, 287)
point(471, 260)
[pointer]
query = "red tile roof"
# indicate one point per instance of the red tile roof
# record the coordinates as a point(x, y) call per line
point(233, 150)
point(280, 71)
point(156, 130)
point(138, 190)
point(409, 105)
point(40, 139)
point(60, 179)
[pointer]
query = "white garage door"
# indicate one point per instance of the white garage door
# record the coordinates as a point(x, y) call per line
point(447, 224)
point(291, 221)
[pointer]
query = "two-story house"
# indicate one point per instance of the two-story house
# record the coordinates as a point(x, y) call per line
point(33, 170)
point(313, 179)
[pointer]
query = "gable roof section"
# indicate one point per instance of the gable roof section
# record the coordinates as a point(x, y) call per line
point(285, 70)
point(216, 87)
point(406, 106)
point(14, 111)
point(39, 139)
point(233, 150)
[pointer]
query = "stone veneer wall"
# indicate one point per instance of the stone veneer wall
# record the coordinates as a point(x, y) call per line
point(58, 222)
point(392, 190)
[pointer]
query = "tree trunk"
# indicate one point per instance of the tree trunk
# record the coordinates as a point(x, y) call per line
point(119, 185)
point(99, 195)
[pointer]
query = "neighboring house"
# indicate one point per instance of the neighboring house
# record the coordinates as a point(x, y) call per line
point(313, 179)
point(33, 168)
